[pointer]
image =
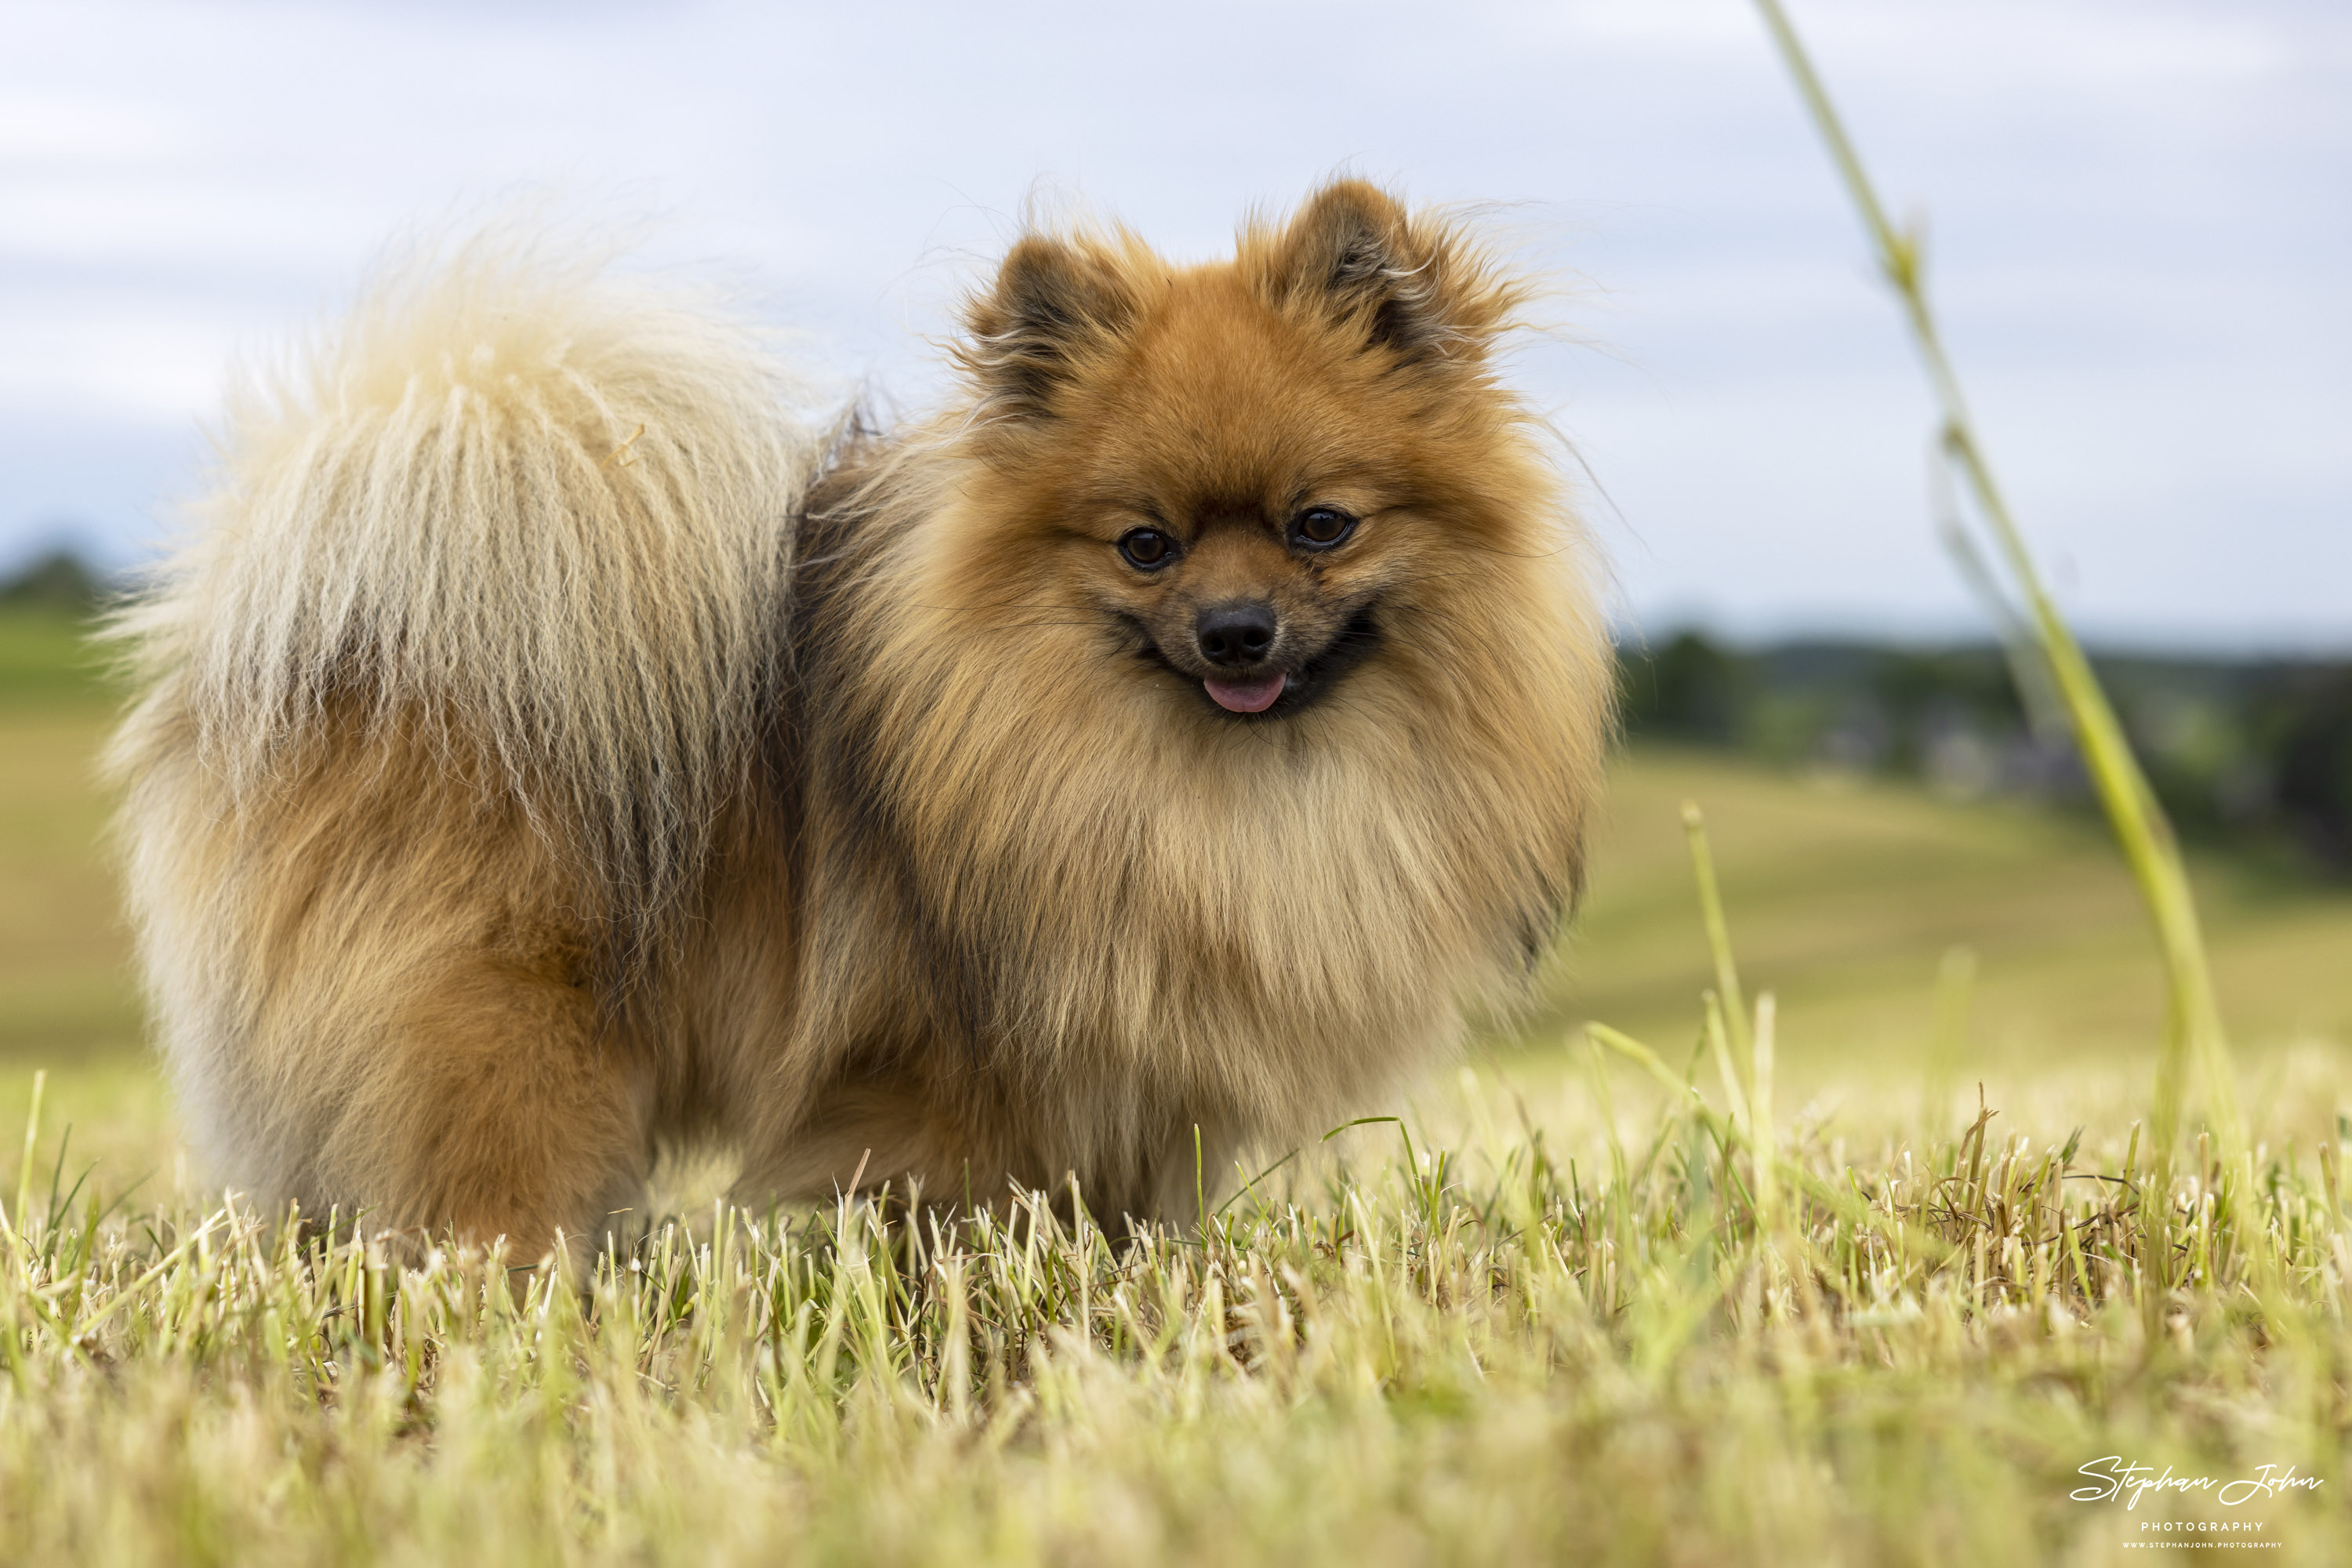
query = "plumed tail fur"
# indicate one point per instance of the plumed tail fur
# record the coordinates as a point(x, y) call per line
point(535, 512)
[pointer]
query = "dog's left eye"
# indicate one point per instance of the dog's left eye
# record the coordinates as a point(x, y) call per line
point(1321, 527)
point(1147, 548)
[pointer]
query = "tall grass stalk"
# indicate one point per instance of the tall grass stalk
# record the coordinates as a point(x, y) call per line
point(1947, 1042)
point(16, 1216)
point(2194, 1035)
point(1718, 934)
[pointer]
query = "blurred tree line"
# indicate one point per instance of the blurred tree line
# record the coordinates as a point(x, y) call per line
point(56, 580)
point(2249, 751)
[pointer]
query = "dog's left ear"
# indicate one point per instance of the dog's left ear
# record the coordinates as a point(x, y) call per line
point(1412, 286)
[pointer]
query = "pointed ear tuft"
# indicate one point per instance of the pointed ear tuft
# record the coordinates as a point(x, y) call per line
point(1411, 286)
point(1055, 303)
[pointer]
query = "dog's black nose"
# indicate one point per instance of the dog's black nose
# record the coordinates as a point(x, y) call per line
point(1237, 632)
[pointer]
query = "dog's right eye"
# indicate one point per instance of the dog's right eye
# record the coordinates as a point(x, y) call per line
point(1147, 548)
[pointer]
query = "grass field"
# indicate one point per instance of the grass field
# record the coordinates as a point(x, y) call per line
point(1563, 1312)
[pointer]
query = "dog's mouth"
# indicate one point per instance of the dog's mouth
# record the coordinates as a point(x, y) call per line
point(1278, 692)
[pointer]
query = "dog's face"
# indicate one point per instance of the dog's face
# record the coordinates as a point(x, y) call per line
point(1249, 478)
point(1232, 503)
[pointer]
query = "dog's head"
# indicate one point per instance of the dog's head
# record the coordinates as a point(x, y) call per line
point(1249, 479)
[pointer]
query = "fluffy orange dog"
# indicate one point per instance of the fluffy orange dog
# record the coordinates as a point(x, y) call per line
point(550, 749)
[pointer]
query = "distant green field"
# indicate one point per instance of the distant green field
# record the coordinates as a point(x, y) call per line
point(47, 660)
point(1844, 897)
point(65, 978)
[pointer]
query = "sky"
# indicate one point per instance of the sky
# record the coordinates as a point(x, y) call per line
point(2139, 216)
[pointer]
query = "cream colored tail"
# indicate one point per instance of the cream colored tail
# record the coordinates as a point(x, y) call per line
point(538, 507)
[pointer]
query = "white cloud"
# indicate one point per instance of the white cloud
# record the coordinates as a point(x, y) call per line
point(146, 364)
point(71, 128)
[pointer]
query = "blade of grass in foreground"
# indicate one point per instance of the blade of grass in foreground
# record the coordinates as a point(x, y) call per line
point(2194, 1038)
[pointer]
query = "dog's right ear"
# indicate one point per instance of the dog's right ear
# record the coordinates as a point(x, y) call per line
point(1413, 287)
point(1055, 304)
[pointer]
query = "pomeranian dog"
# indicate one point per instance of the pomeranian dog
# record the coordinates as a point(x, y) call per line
point(553, 749)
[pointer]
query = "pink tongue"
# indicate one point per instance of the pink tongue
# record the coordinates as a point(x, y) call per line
point(1246, 696)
